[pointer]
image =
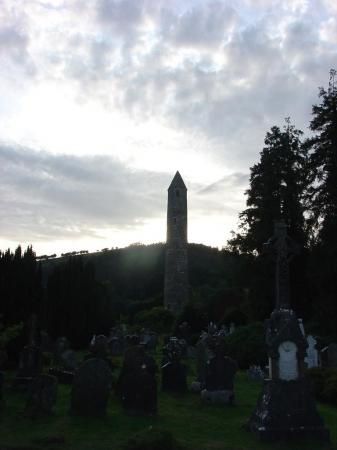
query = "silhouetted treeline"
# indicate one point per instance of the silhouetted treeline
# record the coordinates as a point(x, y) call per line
point(20, 285)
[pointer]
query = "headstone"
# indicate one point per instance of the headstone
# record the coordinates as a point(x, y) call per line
point(255, 373)
point(99, 346)
point(219, 386)
point(68, 360)
point(332, 355)
point(286, 407)
point(42, 396)
point(312, 353)
point(202, 358)
point(116, 345)
point(30, 362)
point(137, 386)
point(64, 357)
point(91, 387)
point(231, 328)
point(174, 377)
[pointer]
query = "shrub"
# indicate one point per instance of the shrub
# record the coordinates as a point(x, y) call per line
point(324, 384)
point(247, 345)
point(157, 319)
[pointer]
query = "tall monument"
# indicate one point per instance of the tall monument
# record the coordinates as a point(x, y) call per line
point(286, 407)
point(176, 266)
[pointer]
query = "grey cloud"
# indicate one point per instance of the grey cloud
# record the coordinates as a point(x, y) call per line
point(205, 25)
point(46, 195)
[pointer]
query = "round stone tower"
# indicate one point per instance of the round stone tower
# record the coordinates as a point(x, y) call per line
point(176, 266)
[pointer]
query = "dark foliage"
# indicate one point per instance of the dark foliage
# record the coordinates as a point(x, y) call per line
point(324, 384)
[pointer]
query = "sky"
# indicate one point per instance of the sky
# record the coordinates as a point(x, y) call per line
point(102, 101)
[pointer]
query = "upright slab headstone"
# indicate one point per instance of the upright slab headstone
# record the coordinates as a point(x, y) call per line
point(286, 407)
point(91, 388)
point(332, 355)
point(137, 385)
point(176, 265)
point(312, 359)
point(174, 372)
point(219, 385)
point(42, 396)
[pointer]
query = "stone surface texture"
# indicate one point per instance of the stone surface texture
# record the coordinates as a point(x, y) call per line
point(176, 260)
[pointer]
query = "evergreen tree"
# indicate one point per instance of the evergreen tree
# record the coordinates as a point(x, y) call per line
point(324, 163)
point(277, 185)
point(323, 202)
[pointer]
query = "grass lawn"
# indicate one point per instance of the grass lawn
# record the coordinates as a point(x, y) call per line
point(196, 426)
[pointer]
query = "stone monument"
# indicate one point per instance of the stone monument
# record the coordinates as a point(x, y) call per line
point(137, 385)
point(220, 373)
point(176, 265)
point(42, 396)
point(286, 407)
point(91, 388)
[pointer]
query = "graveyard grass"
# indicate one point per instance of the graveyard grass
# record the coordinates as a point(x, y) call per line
point(195, 426)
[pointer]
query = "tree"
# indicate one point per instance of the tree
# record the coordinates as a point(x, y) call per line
point(277, 186)
point(323, 205)
point(324, 163)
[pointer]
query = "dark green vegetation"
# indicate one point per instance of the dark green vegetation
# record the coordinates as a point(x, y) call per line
point(194, 426)
point(324, 384)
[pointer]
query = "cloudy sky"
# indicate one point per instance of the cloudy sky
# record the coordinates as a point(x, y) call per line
point(101, 101)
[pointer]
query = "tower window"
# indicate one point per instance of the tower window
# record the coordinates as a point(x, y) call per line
point(177, 193)
point(174, 220)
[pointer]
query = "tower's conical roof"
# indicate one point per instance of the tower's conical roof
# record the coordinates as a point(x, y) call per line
point(177, 182)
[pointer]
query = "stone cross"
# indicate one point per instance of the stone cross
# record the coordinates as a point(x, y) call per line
point(283, 248)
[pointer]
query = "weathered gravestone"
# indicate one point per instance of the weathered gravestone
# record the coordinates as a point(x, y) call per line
point(42, 396)
point(174, 377)
point(202, 357)
point(65, 358)
point(219, 384)
point(137, 385)
point(311, 359)
point(91, 388)
point(286, 407)
point(332, 355)
point(99, 346)
point(29, 366)
point(255, 373)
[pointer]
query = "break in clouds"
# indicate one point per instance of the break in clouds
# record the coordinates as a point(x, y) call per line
point(221, 70)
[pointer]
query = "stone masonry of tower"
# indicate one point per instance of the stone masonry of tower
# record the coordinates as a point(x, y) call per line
point(176, 263)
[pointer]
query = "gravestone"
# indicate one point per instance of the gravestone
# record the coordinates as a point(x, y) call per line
point(42, 396)
point(174, 377)
point(65, 358)
point(116, 345)
point(137, 386)
point(202, 356)
point(255, 373)
point(30, 362)
point(332, 355)
point(99, 346)
point(91, 388)
point(312, 353)
point(219, 385)
point(286, 407)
